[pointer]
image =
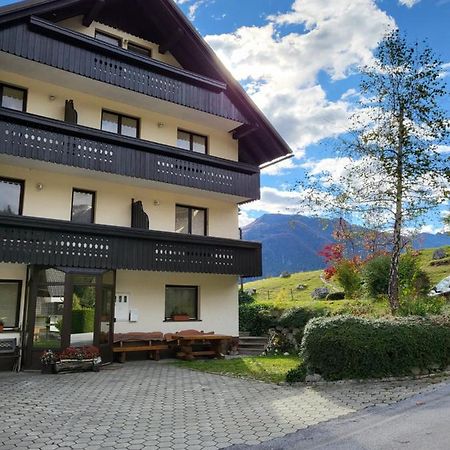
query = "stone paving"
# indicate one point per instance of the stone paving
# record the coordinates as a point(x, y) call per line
point(148, 405)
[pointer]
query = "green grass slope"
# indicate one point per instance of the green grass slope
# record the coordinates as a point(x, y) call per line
point(282, 293)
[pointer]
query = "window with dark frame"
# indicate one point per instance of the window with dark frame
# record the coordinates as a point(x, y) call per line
point(190, 220)
point(108, 38)
point(181, 300)
point(11, 196)
point(83, 206)
point(12, 97)
point(192, 142)
point(139, 50)
point(10, 294)
point(120, 124)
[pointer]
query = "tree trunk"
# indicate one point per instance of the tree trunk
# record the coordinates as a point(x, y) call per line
point(393, 289)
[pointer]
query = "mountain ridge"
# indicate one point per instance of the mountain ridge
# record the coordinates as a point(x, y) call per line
point(291, 243)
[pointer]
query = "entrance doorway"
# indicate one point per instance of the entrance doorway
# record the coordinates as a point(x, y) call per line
point(69, 307)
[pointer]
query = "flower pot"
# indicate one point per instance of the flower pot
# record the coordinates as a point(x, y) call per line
point(78, 365)
point(180, 317)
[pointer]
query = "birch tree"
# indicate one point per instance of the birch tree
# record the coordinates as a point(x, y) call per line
point(394, 173)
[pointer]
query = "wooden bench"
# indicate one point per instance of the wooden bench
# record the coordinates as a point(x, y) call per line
point(192, 343)
point(152, 343)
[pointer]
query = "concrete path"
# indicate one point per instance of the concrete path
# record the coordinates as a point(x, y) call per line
point(148, 405)
point(420, 422)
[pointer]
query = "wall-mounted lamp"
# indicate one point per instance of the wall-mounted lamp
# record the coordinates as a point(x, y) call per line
point(39, 186)
point(161, 124)
point(156, 202)
point(52, 98)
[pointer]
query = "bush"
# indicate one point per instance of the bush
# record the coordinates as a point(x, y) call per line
point(256, 319)
point(83, 320)
point(245, 297)
point(412, 280)
point(375, 275)
point(297, 374)
point(422, 306)
point(348, 276)
point(351, 347)
point(336, 296)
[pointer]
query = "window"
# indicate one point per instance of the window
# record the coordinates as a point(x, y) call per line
point(13, 97)
point(191, 141)
point(108, 39)
point(83, 206)
point(11, 196)
point(181, 300)
point(10, 293)
point(139, 50)
point(190, 220)
point(120, 124)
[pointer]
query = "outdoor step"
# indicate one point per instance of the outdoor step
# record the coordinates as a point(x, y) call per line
point(250, 352)
point(247, 345)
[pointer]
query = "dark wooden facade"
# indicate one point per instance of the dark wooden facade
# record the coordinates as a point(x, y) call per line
point(48, 140)
point(44, 42)
point(49, 242)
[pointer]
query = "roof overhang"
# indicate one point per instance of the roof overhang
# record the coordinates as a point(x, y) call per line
point(163, 22)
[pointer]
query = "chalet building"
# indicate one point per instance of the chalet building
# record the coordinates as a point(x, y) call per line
point(126, 149)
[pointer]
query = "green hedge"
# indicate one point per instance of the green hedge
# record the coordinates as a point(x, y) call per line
point(352, 347)
point(258, 319)
point(83, 321)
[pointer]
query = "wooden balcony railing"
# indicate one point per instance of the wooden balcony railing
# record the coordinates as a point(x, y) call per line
point(39, 138)
point(29, 240)
point(49, 44)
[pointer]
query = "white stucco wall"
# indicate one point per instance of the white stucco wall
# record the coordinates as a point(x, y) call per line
point(75, 24)
point(218, 301)
point(113, 201)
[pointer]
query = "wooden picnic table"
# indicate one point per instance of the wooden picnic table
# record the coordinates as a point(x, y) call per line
point(214, 342)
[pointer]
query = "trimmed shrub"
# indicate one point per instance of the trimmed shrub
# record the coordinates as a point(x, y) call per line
point(83, 320)
point(297, 374)
point(256, 319)
point(336, 296)
point(352, 347)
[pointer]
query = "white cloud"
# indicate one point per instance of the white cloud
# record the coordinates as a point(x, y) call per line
point(282, 167)
point(408, 3)
point(245, 219)
point(281, 72)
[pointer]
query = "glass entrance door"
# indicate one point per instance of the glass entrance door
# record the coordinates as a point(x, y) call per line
point(70, 307)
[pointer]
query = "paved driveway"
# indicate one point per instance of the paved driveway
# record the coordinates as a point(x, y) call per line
point(155, 406)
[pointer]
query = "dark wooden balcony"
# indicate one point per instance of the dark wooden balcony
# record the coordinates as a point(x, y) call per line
point(49, 242)
point(39, 138)
point(46, 43)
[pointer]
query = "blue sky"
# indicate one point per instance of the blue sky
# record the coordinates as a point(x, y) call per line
point(297, 59)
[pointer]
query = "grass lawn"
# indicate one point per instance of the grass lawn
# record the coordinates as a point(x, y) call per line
point(270, 369)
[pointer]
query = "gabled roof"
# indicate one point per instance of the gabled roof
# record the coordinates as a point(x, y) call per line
point(161, 21)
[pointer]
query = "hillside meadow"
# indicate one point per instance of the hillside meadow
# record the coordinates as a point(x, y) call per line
point(283, 293)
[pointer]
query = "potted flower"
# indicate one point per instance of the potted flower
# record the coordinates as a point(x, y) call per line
point(179, 316)
point(75, 359)
point(48, 361)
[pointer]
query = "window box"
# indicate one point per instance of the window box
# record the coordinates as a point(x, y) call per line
point(181, 317)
